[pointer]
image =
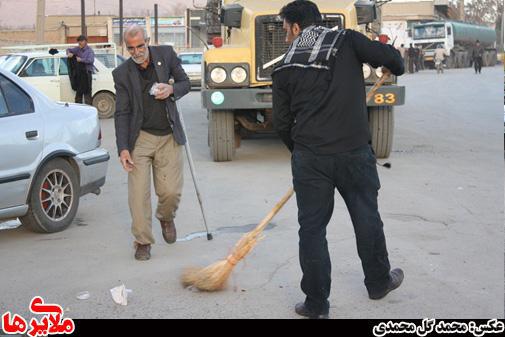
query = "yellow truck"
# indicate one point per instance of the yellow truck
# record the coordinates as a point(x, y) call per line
point(237, 86)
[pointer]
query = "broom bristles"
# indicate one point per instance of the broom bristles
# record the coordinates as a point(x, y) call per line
point(215, 276)
point(211, 278)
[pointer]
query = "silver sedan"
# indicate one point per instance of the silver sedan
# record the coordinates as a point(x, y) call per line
point(50, 156)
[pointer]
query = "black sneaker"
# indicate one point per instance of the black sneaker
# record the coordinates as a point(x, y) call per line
point(396, 280)
point(302, 310)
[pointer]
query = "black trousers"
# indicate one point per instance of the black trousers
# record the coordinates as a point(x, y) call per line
point(354, 175)
point(411, 65)
point(85, 90)
point(477, 62)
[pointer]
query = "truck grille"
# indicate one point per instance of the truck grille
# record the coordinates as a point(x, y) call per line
point(270, 42)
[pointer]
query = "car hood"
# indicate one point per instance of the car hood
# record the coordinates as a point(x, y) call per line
point(192, 68)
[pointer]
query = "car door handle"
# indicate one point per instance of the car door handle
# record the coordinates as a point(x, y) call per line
point(30, 135)
point(54, 81)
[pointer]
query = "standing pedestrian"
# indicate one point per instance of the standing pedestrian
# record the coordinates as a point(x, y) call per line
point(440, 54)
point(412, 58)
point(477, 55)
point(84, 60)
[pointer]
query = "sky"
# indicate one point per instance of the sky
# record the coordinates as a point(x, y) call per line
point(22, 13)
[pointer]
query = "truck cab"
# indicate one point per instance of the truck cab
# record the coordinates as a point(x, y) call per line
point(237, 88)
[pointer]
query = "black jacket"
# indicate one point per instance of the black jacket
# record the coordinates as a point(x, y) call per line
point(78, 75)
point(325, 111)
point(129, 107)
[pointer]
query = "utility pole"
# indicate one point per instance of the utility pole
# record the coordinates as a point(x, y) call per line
point(83, 19)
point(156, 42)
point(41, 20)
point(121, 26)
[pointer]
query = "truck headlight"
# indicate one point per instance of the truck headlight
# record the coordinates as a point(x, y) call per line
point(218, 75)
point(367, 71)
point(238, 75)
point(378, 72)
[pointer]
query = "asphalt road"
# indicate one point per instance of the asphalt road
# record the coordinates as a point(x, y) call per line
point(442, 206)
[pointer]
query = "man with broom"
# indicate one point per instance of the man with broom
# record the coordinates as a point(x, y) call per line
point(320, 114)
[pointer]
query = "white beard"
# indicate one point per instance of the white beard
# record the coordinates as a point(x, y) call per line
point(146, 57)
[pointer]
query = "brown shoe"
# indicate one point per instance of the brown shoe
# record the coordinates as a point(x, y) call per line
point(168, 230)
point(143, 252)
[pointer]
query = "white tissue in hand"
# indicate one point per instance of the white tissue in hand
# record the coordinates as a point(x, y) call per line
point(154, 90)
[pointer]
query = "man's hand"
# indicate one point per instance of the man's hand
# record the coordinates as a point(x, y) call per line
point(126, 161)
point(164, 91)
point(79, 59)
point(70, 55)
point(386, 72)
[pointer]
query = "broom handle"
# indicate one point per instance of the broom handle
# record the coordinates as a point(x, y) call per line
point(261, 226)
point(377, 85)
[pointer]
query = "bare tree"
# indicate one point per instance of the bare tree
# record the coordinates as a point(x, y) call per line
point(487, 12)
point(484, 11)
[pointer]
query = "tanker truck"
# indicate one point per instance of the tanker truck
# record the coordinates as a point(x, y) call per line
point(237, 85)
point(458, 39)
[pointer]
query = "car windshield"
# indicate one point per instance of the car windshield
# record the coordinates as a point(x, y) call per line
point(191, 58)
point(13, 63)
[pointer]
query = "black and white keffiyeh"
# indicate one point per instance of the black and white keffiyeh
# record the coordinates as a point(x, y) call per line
point(312, 49)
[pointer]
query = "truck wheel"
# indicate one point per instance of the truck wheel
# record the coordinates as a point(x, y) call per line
point(105, 103)
point(381, 122)
point(451, 61)
point(222, 135)
point(54, 198)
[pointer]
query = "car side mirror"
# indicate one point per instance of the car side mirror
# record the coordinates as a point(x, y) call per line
point(231, 15)
point(366, 11)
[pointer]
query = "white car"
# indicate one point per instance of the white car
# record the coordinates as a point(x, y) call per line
point(192, 64)
point(50, 156)
point(49, 74)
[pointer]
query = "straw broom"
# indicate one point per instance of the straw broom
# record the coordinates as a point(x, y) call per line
point(215, 276)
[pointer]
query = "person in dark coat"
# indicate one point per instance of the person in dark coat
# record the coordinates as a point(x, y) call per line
point(412, 58)
point(320, 114)
point(477, 55)
point(149, 135)
point(84, 56)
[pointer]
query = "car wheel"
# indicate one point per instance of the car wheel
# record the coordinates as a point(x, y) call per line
point(105, 103)
point(54, 198)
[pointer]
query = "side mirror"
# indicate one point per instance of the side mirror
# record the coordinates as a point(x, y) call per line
point(231, 15)
point(365, 11)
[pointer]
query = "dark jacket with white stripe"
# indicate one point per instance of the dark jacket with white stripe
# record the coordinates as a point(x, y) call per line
point(324, 111)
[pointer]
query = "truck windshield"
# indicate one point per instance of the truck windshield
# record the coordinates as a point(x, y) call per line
point(13, 63)
point(429, 32)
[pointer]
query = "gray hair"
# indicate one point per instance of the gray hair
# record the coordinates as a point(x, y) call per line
point(133, 30)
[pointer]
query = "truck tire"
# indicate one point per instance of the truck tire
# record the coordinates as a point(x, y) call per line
point(53, 199)
point(105, 103)
point(222, 135)
point(451, 60)
point(381, 122)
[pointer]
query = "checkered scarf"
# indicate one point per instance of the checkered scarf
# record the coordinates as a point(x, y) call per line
point(312, 49)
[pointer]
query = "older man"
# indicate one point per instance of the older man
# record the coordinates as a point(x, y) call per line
point(149, 134)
